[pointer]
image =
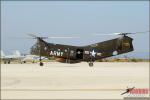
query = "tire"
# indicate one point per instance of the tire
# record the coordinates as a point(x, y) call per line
point(41, 64)
point(8, 62)
point(91, 64)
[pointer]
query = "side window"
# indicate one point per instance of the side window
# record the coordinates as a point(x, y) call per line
point(119, 44)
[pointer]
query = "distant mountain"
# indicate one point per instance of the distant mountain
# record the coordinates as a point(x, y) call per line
point(142, 55)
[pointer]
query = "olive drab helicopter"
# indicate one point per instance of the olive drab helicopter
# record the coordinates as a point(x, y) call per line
point(89, 53)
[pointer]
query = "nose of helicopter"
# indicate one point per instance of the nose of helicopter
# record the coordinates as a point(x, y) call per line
point(124, 44)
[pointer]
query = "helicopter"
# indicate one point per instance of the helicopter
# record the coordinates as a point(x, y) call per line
point(75, 54)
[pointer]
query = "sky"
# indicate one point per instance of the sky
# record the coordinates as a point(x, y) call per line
point(73, 18)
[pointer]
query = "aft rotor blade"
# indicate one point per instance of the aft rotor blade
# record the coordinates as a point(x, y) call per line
point(32, 35)
point(35, 37)
point(103, 34)
point(55, 37)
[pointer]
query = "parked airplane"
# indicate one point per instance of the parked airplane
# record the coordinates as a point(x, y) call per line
point(32, 58)
point(16, 56)
point(8, 58)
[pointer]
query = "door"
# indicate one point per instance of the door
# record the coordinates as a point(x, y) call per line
point(79, 53)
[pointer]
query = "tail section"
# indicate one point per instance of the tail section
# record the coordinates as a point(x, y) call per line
point(17, 53)
point(2, 54)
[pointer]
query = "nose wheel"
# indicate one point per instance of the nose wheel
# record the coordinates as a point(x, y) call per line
point(91, 61)
point(41, 63)
point(91, 64)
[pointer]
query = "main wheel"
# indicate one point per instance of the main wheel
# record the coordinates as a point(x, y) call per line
point(41, 63)
point(9, 62)
point(91, 64)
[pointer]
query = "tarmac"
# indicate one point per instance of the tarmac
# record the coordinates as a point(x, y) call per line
point(105, 80)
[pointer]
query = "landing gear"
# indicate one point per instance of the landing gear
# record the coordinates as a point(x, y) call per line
point(40, 49)
point(91, 61)
point(9, 62)
point(91, 64)
point(41, 63)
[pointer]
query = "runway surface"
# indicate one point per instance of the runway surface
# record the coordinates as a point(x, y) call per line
point(106, 80)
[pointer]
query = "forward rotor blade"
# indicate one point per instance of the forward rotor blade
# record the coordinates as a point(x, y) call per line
point(142, 32)
point(122, 33)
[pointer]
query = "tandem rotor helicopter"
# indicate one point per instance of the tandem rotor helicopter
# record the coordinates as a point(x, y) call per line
point(76, 54)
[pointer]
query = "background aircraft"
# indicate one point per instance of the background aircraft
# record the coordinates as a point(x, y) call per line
point(16, 56)
point(8, 58)
point(89, 53)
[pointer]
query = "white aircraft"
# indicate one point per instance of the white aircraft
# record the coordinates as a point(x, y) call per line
point(2, 54)
point(18, 57)
point(8, 58)
point(32, 58)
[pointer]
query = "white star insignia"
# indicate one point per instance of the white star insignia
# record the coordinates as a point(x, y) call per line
point(93, 53)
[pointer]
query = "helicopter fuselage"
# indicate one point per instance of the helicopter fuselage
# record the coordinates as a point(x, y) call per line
point(89, 53)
